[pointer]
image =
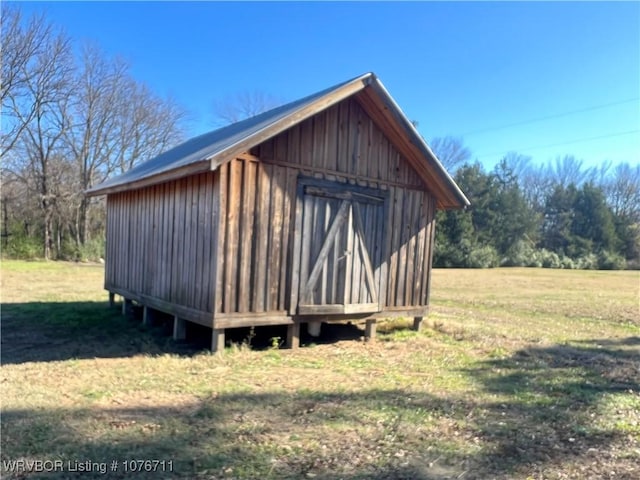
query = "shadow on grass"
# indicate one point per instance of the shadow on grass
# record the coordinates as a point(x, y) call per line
point(552, 407)
point(314, 434)
point(54, 331)
point(546, 422)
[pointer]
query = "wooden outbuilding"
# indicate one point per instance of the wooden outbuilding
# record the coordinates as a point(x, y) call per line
point(319, 210)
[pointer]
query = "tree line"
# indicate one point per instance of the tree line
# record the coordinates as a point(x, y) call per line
point(556, 215)
point(73, 115)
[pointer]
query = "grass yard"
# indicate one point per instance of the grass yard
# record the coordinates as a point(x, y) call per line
point(518, 374)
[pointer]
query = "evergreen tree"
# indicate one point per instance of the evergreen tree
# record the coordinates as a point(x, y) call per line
point(558, 219)
point(592, 222)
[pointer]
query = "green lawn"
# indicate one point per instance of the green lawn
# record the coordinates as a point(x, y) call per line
point(519, 374)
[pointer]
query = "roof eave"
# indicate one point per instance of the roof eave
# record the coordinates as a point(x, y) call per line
point(446, 191)
point(212, 162)
point(185, 171)
point(304, 113)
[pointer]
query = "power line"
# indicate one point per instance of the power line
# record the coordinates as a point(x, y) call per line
point(548, 117)
point(538, 147)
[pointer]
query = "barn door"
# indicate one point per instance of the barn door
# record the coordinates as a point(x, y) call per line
point(338, 239)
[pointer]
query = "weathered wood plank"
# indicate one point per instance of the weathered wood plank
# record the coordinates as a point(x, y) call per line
point(395, 312)
point(232, 245)
point(354, 138)
point(394, 250)
point(198, 207)
point(147, 316)
point(171, 223)
point(312, 292)
point(405, 231)
point(246, 236)
point(209, 244)
point(307, 222)
point(417, 323)
point(129, 232)
point(221, 237)
point(149, 239)
point(247, 319)
point(320, 172)
point(383, 222)
point(323, 287)
point(305, 139)
point(343, 163)
point(370, 330)
point(117, 241)
point(428, 258)
point(297, 249)
point(358, 255)
point(421, 225)
point(191, 314)
point(197, 242)
point(175, 242)
point(124, 241)
point(293, 146)
point(332, 263)
point(124, 257)
point(332, 152)
point(411, 247)
point(351, 252)
point(137, 233)
point(136, 279)
point(290, 185)
point(293, 335)
point(179, 328)
point(276, 233)
point(186, 288)
point(126, 306)
point(369, 276)
point(160, 244)
point(156, 240)
point(329, 240)
point(262, 239)
point(217, 340)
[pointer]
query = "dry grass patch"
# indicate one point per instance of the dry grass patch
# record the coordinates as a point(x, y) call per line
point(520, 373)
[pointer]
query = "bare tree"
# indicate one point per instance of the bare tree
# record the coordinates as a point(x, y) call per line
point(21, 44)
point(568, 170)
point(533, 180)
point(450, 151)
point(243, 105)
point(148, 126)
point(69, 126)
point(41, 119)
point(93, 124)
point(115, 122)
point(623, 191)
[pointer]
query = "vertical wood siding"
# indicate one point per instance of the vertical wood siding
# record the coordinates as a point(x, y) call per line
point(343, 144)
point(161, 241)
point(254, 236)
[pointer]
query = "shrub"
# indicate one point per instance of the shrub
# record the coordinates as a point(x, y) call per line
point(520, 254)
point(588, 262)
point(483, 257)
point(611, 261)
point(567, 262)
point(23, 247)
point(550, 259)
point(93, 250)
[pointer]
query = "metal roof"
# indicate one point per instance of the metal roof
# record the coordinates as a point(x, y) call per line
point(208, 151)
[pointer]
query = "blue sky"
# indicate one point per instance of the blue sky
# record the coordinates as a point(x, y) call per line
point(486, 72)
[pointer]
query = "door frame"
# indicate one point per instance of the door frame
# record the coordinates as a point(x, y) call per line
point(350, 192)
